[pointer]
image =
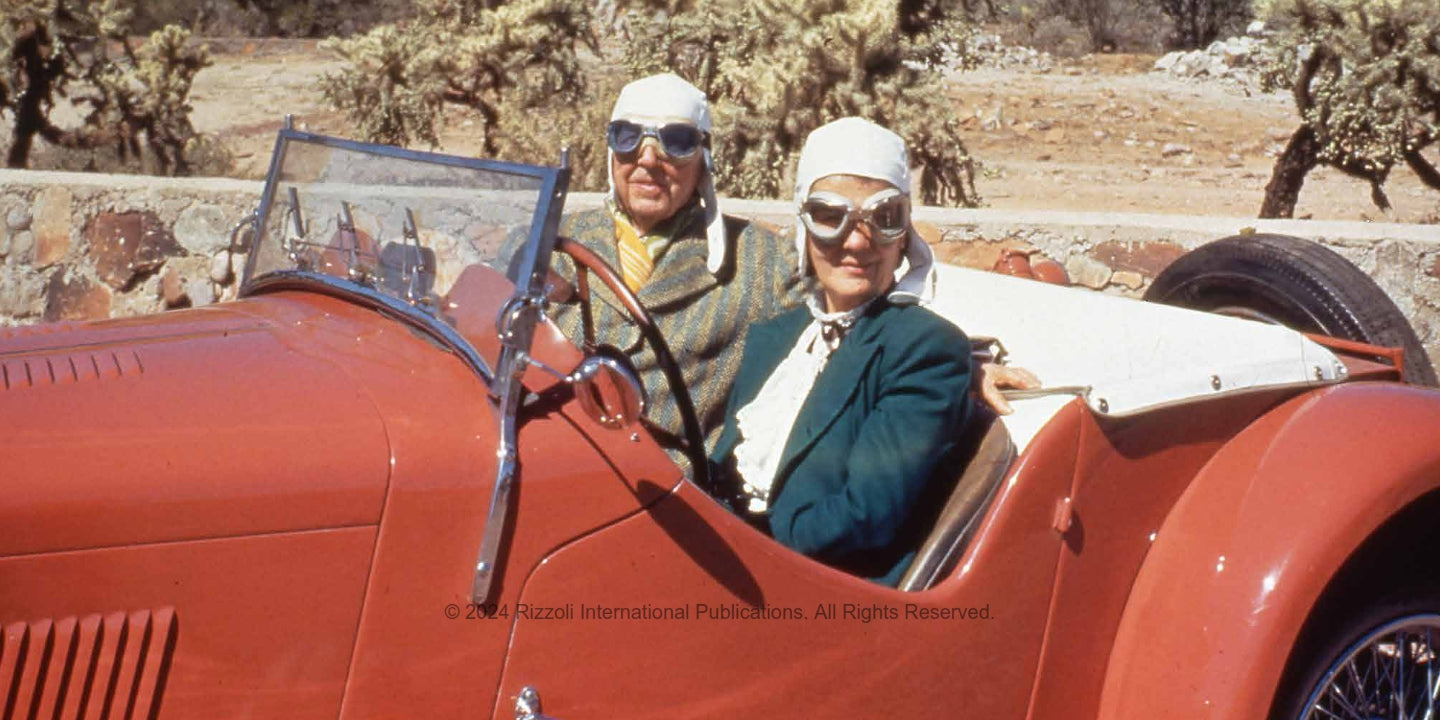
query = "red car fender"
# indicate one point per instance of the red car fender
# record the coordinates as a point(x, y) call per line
point(1241, 558)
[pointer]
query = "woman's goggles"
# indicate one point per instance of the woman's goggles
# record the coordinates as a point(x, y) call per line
point(677, 140)
point(830, 216)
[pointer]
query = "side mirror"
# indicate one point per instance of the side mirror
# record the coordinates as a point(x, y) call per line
point(608, 392)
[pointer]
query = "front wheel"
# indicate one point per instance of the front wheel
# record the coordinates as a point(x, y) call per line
point(1382, 662)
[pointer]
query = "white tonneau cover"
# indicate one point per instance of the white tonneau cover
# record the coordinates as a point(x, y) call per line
point(1132, 356)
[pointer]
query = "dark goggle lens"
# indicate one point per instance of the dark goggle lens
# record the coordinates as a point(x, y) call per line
point(624, 137)
point(677, 140)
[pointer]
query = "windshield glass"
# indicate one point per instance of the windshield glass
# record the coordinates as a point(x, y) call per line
point(401, 223)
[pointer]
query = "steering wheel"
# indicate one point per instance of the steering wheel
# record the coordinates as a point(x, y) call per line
point(586, 260)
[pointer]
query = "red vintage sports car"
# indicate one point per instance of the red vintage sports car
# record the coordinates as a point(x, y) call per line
point(382, 484)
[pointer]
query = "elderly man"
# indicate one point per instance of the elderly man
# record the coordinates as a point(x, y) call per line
point(703, 276)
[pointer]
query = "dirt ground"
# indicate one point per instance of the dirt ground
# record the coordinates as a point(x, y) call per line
point(1090, 135)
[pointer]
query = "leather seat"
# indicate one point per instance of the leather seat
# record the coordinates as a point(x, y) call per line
point(991, 452)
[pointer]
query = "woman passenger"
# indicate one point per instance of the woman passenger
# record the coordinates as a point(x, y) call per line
point(844, 411)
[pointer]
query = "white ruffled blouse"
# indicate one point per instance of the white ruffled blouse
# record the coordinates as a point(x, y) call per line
point(766, 422)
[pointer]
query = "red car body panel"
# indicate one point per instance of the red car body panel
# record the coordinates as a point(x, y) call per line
point(114, 439)
point(263, 624)
point(1254, 539)
point(688, 550)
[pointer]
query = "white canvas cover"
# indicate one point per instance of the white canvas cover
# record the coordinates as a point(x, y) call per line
point(1132, 356)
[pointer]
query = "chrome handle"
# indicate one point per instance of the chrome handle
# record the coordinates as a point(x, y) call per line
point(527, 705)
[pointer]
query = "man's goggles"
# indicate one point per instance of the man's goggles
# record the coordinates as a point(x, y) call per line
point(830, 216)
point(677, 140)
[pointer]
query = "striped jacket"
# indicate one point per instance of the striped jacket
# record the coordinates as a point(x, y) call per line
point(703, 317)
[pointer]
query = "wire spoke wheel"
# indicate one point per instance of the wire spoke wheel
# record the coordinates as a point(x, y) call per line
point(1391, 673)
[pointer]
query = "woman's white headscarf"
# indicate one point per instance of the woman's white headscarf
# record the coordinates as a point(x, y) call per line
point(855, 146)
point(668, 98)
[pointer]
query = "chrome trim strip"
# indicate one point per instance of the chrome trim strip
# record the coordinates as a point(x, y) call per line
point(346, 290)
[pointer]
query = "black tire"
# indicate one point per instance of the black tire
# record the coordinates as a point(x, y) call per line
point(1362, 637)
point(1296, 283)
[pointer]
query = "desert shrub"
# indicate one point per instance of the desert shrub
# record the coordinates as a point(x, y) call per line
point(1365, 76)
point(135, 103)
point(1141, 26)
point(520, 56)
point(286, 18)
point(1054, 34)
point(1069, 28)
point(1200, 22)
point(775, 70)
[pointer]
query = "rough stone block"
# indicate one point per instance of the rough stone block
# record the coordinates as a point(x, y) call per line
point(1088, 272)
point(22, 293)
point(22, 247)
point(1129, 278)
point(18, 219)
point(172, 288)
point(125, 246)
point(1146, 258)
point(186, 283)
point(52, 226)
point(203, 229)
point(220, 268)
point(75, 298)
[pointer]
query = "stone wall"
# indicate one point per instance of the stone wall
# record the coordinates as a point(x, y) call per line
point(79, 246)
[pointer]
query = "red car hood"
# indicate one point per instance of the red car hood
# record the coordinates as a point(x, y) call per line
point(193, 424)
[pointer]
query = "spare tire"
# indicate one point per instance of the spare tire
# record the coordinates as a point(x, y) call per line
point(1291, 282)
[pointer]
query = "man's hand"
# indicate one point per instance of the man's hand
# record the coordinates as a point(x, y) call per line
point(992, 378)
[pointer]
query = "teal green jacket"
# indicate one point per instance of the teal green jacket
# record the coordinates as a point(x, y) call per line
point(872, 450)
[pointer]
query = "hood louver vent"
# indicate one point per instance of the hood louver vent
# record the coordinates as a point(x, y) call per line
point(110, 666)
point(62, 369)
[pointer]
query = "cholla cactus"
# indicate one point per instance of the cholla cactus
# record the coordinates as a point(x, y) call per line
point(516, 55)
point(774, 70)
point(777, 69)
point(62, 48)
point(1365, 75)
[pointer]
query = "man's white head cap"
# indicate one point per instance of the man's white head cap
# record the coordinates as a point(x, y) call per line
point(855, 146)
point(668, 98)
